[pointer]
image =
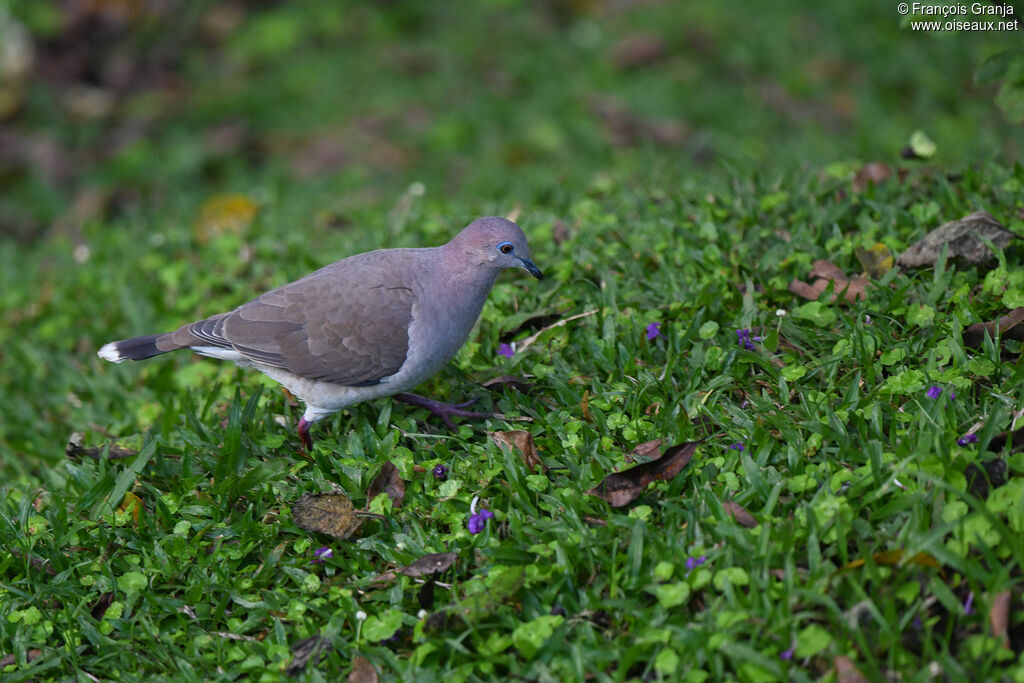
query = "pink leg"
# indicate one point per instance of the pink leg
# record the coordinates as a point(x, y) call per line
point(304, 437)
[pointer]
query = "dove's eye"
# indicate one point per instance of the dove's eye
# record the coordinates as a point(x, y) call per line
point(505, 247)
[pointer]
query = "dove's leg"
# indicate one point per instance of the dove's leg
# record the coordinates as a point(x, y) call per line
point(304, 437)
point(445, 411)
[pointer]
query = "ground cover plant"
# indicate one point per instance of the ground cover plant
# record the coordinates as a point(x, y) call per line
point(742, 439)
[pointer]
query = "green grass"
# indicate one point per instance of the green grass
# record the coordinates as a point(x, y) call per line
point(183, 561)
point(823, 452)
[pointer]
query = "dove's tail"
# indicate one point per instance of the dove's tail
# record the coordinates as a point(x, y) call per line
point(137, 348)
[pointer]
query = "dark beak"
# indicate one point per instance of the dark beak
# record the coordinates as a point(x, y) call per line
point(531, 268)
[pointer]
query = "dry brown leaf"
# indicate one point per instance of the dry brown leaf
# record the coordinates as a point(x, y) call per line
point(522, 441)
point(847, 672)
point(999, 616)
point(626, 128)
point(585, 406)
point(75, 449)
point(962, 238)
point(388, 481)
point(826, 273)
point(362, 671)
point(305, 650)
point(133, 505)
point(30, 656)
point(225, 213)
point(873, 173)
point(621, 488)
point(1007, 327)
point(639, 49)
point(894, 557)
point(328, 513)
point(876, 260)
point(739, 513)
point(428, 565)
point(647, 449)
point(559, 232)
point(99, 608)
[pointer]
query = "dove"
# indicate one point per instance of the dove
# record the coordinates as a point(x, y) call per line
point(370, 325)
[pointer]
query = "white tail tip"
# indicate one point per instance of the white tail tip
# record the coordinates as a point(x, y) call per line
point(109, 352)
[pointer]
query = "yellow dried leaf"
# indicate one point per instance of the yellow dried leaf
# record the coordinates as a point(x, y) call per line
point(225, 213)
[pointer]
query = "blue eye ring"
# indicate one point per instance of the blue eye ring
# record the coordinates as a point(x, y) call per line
point(506, 248)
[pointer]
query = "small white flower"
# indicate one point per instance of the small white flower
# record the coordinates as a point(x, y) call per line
point(867, 319)
point(780, 312)
point(472, 506)
point(360, 615)
point(422, 614)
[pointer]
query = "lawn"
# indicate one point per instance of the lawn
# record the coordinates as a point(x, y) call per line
point(842, 487)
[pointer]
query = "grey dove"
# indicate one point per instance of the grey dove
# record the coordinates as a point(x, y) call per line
point(370, 325)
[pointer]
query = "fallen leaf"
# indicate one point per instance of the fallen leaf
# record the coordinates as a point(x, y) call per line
point(521, 440)
point(428, 565)
point(639, 49)
point(874, 173)
point(1015, 437)
point(510, 382)
point(133, 505)
point(559, 232)
point(362, 671)
point(1007, 327)
point(75, 449)
point(626, 128)
point(991, 474)
point(225, 213)
point(739, 513)
point(585, 406)
point(388, 481)
point(621, 488)
point(999, 616)
point(846, 671)
point(30, 656)
point(893, 557)
point(647, 449)
point(963, 239)
point(99, 608)
point(303, 651)
point(876, 260)
point(434, 563)
point(826, 273)
point(328, 513)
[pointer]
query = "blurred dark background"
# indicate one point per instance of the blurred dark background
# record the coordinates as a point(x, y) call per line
point(114, 108)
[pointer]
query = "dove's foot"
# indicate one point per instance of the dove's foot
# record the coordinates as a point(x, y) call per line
point(445, 411)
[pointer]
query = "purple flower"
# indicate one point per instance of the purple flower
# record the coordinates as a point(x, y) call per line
point(745, 340)
point(787, 654)
point(738, 446)
point(917, 623)
point(654, 331)
point(440, 473)
point(934, 391)
point(967, 438)
point(478, 520)
point(506, 350)
point(321, 554)
point(694, 562)
point(969, 603)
